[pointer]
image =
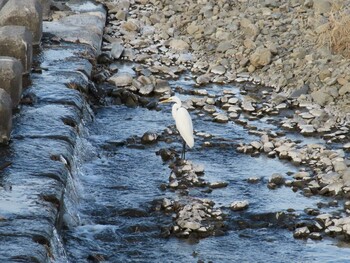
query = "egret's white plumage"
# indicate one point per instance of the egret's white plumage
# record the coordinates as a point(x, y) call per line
point(183, 121)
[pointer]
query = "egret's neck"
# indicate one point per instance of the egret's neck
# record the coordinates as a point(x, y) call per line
point(174, 109)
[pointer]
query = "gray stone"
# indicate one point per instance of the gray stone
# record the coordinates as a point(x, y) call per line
point(11, 71)
point(117, 50)
point(161, 86)
point(146, 89)
point(5, 116)
point(121, 80)
point(16, 41)
point(203, 79)
point(27, 13)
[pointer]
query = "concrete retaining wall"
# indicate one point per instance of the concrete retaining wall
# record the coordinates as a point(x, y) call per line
point(20, 28)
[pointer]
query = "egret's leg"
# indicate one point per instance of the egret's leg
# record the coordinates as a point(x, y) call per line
point(183, 150)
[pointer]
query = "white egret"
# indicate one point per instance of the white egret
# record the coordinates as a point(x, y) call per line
point(183, 123)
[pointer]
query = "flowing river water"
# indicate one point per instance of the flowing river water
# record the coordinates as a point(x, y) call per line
point(115, 181)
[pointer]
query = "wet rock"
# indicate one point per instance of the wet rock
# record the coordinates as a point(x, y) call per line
point(315, 236)
point(216, 185)
point(239, 205)
point(277, 179)
point(149, 138)
point(301, 232)
point(209, 108)
point(221, 118)
point(253, 180)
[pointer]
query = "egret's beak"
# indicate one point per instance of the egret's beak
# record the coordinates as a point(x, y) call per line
point(164, 101)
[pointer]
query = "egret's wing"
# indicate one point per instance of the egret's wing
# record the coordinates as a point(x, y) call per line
point(184, 126)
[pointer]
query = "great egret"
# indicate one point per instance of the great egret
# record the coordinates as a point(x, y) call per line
point(183, 123)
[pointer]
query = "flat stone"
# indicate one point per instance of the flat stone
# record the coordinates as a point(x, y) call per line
point(84, 28)
point(16, 41)
point(215, 185)
point(121, 80)
point(24, 13)
point(247, 106)
point(221, 118)
point(11, 71)
point(5, 116)
point(220, 70)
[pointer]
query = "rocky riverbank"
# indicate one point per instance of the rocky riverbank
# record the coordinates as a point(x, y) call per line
point(296, 47)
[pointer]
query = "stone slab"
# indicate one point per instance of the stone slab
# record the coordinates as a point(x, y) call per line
point(16, 41)
point(84, 28)
point(11, 71)
point(26, 13)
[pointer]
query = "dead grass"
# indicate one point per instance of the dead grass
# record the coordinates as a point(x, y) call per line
point(336, 33)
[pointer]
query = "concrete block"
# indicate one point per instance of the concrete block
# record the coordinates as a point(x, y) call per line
point(11, 70)
point(5, 116)
point(16, 41)
point(26, 13)
point(2, 3)
point(46, 5)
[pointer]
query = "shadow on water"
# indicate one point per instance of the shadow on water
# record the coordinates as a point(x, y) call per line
point(119, 182)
